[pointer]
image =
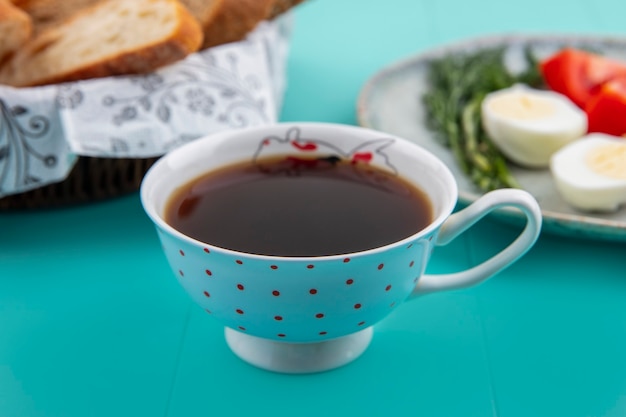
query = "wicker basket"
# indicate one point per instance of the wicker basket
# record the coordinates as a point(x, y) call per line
point(91, 179)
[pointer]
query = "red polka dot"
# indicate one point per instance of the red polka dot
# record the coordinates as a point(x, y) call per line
point(206, 294)
point(357, 306)
point(239, 311)
point(310, 266)
point(207, 250)
point(208, 272)
point(319, 315)
point(411, 264)
point(388, 287)
point(181, 273)
point(240, 287)
point(312, 291)
point(181, 252)
point(346, 260)
point(323, 333)
point(275, 293)
point(361, 323)
point(381, 266)
point(274, 266)
point(281, 335)
point(242, 328)
point(350, 281)
point(239, 261)
point(278, 318)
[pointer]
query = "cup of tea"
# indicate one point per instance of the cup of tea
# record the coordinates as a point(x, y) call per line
point(300, 237)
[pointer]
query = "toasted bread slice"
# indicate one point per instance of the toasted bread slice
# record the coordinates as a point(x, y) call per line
point(112, 37)
point(15, 28)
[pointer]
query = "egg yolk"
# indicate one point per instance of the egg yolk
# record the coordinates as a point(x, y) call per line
point(608, 160)
point(522, 106)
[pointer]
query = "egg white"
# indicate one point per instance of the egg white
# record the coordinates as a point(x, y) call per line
point(582, 186)
point(530, 125)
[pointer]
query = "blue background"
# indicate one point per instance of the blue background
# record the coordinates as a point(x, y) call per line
point(93, 324)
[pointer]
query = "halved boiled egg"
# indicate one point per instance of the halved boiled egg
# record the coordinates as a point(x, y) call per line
point(590, 173)
point(529, 125)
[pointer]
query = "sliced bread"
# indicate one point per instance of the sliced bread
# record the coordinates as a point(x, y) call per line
point(112, 37)
point(15, 28)
point(49, 13)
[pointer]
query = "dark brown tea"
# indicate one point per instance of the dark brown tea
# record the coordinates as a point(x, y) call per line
point(299, 207)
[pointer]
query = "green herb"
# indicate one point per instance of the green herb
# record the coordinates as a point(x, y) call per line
point(458, 84)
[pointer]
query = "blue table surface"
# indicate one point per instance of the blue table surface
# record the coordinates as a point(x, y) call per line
point(92, 322)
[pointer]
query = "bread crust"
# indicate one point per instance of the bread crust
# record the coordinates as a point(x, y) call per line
point(234, 20)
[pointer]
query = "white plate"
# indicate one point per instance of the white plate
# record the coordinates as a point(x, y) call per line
point(391, 102)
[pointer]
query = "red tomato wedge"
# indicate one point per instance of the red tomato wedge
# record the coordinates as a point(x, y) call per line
point(579, 74)
point(606, 110)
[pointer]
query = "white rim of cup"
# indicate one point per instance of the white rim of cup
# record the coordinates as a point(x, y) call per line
point(151, 211)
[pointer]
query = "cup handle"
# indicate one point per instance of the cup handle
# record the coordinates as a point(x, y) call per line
point(459, 222)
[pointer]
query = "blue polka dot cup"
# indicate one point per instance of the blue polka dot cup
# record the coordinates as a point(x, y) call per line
point(308, 314)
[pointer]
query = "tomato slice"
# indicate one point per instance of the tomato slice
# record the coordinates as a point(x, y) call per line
point(606, 110)
point(579, 74)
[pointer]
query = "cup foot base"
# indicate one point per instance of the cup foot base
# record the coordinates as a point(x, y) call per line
point(298, 358)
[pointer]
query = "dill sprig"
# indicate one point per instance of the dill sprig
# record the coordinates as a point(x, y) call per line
point(458, 83)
